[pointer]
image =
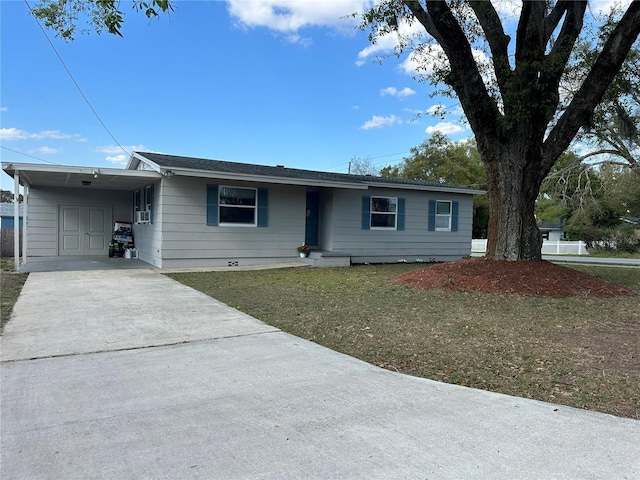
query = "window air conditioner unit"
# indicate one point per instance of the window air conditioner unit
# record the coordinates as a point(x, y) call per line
point(143, 216)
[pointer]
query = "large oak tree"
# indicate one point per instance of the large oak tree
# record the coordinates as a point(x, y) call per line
point(520, 128)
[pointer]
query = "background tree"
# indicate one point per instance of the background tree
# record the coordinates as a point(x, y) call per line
point(520, 125)
point(6, 196)
point(440, 160)
point(593, 201)
point(362, 166)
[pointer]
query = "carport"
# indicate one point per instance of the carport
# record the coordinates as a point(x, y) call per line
point(69, 211)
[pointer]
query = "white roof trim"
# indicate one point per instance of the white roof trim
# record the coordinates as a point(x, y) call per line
point(131, 165)
point(36, 167)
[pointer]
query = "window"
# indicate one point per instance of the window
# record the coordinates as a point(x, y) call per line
point(143, 205)
point(443, 216)
point(148, 198)
point(237, 206)
point(383, 212)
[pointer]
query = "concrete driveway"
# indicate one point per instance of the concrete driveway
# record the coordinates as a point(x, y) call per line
point(128, 374)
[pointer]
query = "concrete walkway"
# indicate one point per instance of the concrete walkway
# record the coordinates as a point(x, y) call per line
point(128, 374)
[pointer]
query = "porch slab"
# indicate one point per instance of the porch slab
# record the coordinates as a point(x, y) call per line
point(81, 263)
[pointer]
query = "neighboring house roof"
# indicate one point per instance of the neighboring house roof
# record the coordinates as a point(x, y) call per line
point(8, 209)
point(176, 165)
point(557, 224)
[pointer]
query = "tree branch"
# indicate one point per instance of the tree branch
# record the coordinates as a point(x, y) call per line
point(498, 41)
point(557, 59)
point(465, 78)
point(595, 84)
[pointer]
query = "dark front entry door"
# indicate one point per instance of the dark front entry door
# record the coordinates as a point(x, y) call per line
point(313, 215)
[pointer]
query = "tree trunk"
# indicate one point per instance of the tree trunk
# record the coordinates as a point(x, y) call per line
point(514, 185)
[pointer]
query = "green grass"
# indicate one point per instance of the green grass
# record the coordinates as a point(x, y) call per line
point(10, 287)
point(629, 277)
point(578, 352)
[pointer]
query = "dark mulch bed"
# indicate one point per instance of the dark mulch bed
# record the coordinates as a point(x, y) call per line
point(544, 279)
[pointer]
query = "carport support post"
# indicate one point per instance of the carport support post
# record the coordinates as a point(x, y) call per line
point(16, 219)
point(25, 202)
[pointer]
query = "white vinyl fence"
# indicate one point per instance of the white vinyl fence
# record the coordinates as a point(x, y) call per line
point(548, 247)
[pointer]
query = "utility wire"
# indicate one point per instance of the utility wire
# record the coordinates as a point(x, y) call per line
point(27, 155)
point(74, 80)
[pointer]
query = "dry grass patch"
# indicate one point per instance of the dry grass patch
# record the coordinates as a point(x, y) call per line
point(10, 286)
point(573, 351)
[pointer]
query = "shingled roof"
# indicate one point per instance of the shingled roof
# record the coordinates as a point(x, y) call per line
point(169, 162)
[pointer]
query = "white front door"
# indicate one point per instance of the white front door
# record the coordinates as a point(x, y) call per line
point(84, 229)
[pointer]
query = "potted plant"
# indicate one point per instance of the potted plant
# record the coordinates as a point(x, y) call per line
point(303, 250)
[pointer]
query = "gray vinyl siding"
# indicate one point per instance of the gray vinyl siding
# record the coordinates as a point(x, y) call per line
point(188, 241)
point(414, 243)
point(43, 207)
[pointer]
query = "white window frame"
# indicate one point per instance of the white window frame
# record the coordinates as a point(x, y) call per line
point(442, 215)
point(142, 214)
point(254, 207)
point(147, 201)
point(372, 212)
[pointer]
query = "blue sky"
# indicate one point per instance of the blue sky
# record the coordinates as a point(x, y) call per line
point(239, 81)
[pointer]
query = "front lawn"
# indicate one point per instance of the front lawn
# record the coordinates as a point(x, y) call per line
point(582, 352)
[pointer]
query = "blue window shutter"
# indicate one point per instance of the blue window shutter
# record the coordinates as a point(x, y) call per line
point(431, 220)
point(136, 200)
point(152, 201)
point(366, 212)
point(263, 207)
point(212, 205)
point(454, 216)
point(400, 214)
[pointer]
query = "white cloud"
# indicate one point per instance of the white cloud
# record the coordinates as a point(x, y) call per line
point(379, 122)
point(13, 134)
point(446, 128)
point(57, 135)
point(4, 109)
point(116, 155)
point(17, 134)
point(117, 159)
point(117, 150)
point(387, 43)
point(394, 92)
point(287, 16)
point(46, 150)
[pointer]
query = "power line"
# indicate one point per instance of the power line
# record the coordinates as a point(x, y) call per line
point(74, 80)
point(27, 155)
